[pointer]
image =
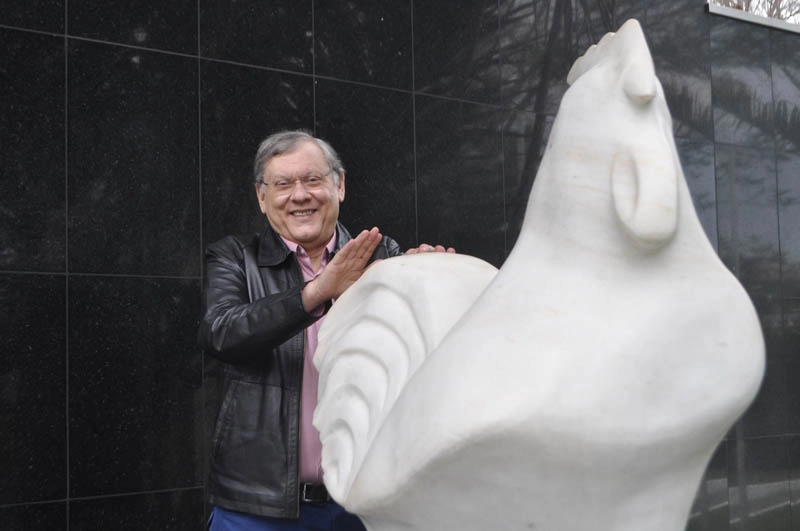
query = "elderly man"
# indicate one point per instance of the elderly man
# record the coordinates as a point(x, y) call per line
point(264, 299)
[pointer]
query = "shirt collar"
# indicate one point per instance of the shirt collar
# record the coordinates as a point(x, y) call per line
point(297, 249)
point(272, 250)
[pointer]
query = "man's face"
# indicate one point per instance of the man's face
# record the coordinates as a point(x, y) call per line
point(307, 217)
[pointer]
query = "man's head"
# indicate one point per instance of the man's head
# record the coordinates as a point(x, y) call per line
point(299, 206)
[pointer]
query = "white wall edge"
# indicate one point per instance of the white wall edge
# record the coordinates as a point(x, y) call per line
point(755, 19)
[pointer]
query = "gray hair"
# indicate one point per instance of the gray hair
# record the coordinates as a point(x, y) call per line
point(287, 141)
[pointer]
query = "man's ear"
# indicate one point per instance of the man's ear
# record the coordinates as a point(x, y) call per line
point(261, 194)
point(340, 188)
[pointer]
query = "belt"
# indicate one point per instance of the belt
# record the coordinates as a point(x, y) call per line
point(314, 493)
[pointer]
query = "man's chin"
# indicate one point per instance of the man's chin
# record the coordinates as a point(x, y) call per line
point(304, 237)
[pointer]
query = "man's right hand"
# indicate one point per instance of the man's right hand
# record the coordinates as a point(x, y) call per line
point(346, 267)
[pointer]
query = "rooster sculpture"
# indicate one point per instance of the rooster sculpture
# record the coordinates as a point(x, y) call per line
point(584, 385)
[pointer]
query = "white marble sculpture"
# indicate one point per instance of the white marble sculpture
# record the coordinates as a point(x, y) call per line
point(584, 385)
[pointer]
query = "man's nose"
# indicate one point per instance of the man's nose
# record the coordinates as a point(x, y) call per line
point(298, 190)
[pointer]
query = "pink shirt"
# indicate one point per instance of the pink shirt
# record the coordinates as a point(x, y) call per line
point(310, 445)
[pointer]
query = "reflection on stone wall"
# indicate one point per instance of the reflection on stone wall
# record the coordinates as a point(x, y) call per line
point(126, 145)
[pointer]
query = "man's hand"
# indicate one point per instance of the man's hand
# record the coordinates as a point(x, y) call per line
point(346, 267)
point(425, 248)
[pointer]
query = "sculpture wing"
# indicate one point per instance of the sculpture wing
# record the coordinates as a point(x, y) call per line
point(374, 339)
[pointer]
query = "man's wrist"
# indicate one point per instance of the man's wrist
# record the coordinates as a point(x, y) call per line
point(313, 300)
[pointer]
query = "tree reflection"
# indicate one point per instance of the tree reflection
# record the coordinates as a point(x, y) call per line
point(539, 42)
point(787, 10)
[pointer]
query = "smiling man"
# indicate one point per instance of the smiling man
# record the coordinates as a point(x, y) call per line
point(264, 299)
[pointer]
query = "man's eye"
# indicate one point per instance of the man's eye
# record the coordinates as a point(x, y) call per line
point(313, 180)
point(281, 184)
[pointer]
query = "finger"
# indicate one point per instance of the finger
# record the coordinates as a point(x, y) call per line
point(451, 250)
point(369, 235)
point(375, 236)
point(373, 240)
point(359, 241)
point(365, 244)
point(439, 249)
point(345, 251)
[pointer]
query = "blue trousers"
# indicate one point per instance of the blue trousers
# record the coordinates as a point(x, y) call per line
point(313, 517)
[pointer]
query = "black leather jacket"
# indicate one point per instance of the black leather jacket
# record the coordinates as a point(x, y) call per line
point(253, 321)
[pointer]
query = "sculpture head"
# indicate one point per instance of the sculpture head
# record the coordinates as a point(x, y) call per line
point(613, 139)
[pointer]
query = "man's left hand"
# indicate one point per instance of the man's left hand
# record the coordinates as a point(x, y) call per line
point(425, 248)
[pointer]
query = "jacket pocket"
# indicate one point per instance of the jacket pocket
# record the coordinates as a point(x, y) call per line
point(225, 415)
point(251, 449)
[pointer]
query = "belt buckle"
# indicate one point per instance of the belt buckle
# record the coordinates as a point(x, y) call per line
point(307, 494)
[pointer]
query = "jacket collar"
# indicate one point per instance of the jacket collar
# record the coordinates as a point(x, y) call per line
point(272, 251)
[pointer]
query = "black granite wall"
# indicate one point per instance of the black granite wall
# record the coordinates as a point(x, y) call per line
point(127, 130)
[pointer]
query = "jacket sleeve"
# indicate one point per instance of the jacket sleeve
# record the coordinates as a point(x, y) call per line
point(232, 328)
point(387, 249)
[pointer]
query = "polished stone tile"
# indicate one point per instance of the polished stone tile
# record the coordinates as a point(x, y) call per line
point(532, 56)
point(213, 377)
point(772, 322)
point(135, 399)
point(789, 211)
point(768, 414)
point(710, 509)
point(50, 516)
point(539, 41)
point(166, 26)
point(793, 444)
point(42, 15)
point(697, 161)
point(456, 49)
point(240, 107)
point(459, 177)
point(742, 84)
point(133, 162)
point(33, 445)
point(277, 33)
point(525, 137)
point(785, 52)
point(32, 215)
point(759, 484)
point(793, 393)
point(168, 511)
point(683, 65)
point(519, 48)
point(592, 20)
point(747, 209)
point(791, 328)
point(377, 149)
point(364, 41)
point(789, 215)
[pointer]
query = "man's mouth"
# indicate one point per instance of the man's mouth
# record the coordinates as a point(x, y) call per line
point(302, 213)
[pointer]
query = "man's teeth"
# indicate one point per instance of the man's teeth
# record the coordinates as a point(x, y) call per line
point(302, 213)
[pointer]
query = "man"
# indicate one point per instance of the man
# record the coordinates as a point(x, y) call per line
point(264, 299)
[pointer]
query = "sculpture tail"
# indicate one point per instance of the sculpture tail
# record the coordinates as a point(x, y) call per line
point(372, 342)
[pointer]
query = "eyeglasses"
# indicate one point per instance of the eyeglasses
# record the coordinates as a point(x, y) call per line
point(284, 185)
